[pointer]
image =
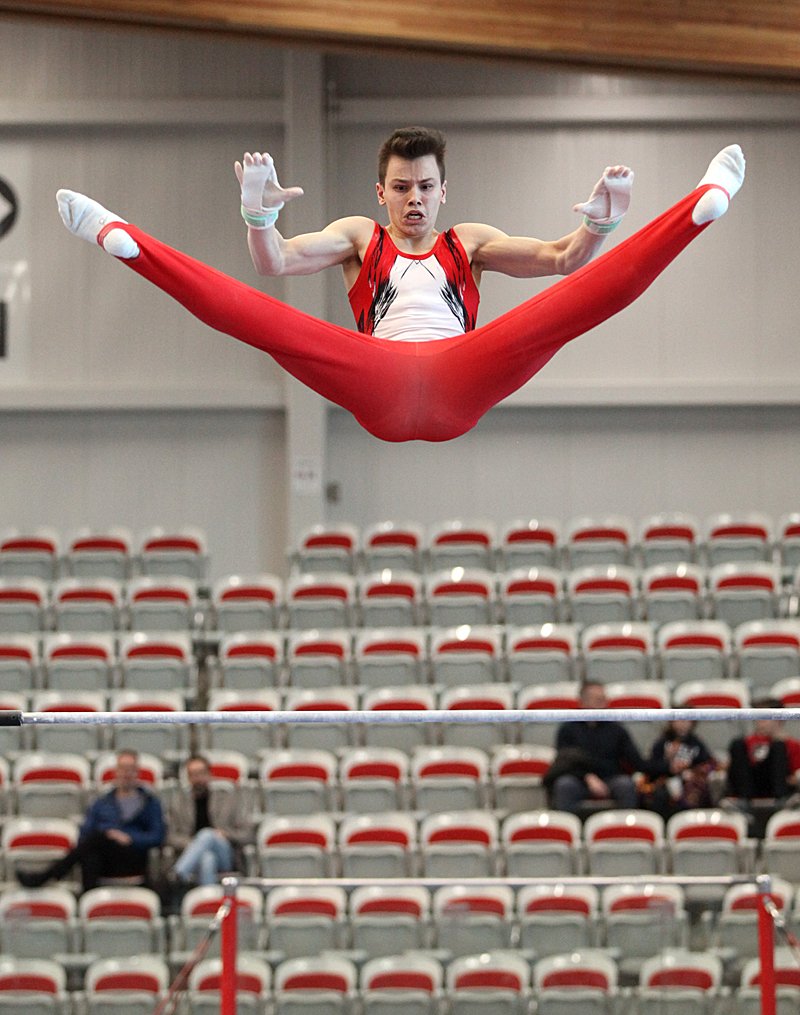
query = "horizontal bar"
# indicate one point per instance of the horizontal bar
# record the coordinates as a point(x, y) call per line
point(723, 880)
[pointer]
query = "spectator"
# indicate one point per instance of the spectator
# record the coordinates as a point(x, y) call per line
point(689, 763)
point(119, 830)
point(207, 825)
point(759, 767)
point(595, 760)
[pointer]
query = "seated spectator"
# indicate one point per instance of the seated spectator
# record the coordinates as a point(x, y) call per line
point(119, 830)
point(759, 767)
point(595, 760)
point(207, 825)
point(689, 763)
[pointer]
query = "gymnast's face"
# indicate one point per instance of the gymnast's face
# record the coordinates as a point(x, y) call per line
point(412, 193)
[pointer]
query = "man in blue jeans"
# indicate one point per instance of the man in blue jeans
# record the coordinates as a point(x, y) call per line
point(207, 825)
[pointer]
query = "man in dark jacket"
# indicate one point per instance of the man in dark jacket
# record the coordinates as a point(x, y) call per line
point(119, 830)
point(595, 760)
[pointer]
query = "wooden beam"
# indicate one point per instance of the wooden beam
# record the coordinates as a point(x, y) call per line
point(725, 36)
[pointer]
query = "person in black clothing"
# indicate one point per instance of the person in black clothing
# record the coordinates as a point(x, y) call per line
point(679, 747)
point(759, 763)
point(595, 760)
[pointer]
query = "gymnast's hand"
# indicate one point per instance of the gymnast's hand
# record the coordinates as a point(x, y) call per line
point(610, 198)
point(259, 182)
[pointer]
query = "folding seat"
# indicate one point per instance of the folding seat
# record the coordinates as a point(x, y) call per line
point(298, 781)
point(542, 654)
point(746, 537)
point(132, 985)
point(516, 774)
point(787, 692)
point(461, 543)
point(390, 919)
point(161, 604)
point(734, 929)
point(24, 605)
point(322, 985)
point(593, 542)
point(679, 982)
point(460, 595)
point(557, 918)
point(543, 699)
point(712, 842)
point(748, 997)
point(250, 660)
point(543, 843)
point(255, 740)
point(672, 592)
point(467, 920)
point(253, 981)
point(639, 694)
point(14, 738)
point(306, 920)
point(320, 602)
point(33, 554)
point(296, 846)
point(318, 658)
point(247, 603)
point(465, 655)
point(51, 785)
point(393, 546)
point(584, 981)
point(322, 549)
point(390, 657)
point(19, 662)
point(391, 599)
point(491, 983)
point(87, 604)
point(168, 740)
point(78, 662)
point(617, 652)
point(780, 849)
point(373, 779)
point(121, 921)
point(669, 538)
point(642, 920)
point(99, 553)
point(331, 736)
point(38, 923)
point(449, 778)
point(533, 595)
point(767, 651)
point(459, 844)
point(787, 543)
point(378, 845)
point(622, 843)
point(76, 739)
point(715, 694)
point(200, 906)
point(401, 985)
point(602, 593)
point(740, 592)
point(33, 987)
point(530, 543)
point(403, 735)
point(694, 650)
point(174, 552)
point(33, 843)
point(157, 661)
point(479, 697)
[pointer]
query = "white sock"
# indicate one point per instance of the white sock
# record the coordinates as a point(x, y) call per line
point(86, 219)
point(725, 170)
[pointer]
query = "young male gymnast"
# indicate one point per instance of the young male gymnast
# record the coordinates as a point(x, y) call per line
point(418, 368)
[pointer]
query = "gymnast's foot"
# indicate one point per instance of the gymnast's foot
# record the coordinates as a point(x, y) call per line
point(725, 171)
point(88, 219)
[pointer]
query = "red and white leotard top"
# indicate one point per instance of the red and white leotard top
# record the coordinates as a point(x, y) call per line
point(414, 297)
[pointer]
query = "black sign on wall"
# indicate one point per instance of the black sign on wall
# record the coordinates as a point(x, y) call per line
point(9, 207)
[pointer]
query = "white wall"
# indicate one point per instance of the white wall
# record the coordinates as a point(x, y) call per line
point(134, 413)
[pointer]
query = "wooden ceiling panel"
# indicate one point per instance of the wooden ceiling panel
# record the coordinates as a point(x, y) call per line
point(727, 36)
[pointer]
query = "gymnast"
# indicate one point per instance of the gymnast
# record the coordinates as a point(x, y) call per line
point(418, 368)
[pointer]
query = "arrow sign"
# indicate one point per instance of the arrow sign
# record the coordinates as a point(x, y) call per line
point(9, 207)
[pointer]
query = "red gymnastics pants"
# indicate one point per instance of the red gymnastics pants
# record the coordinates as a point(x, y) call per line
point(433, 391)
